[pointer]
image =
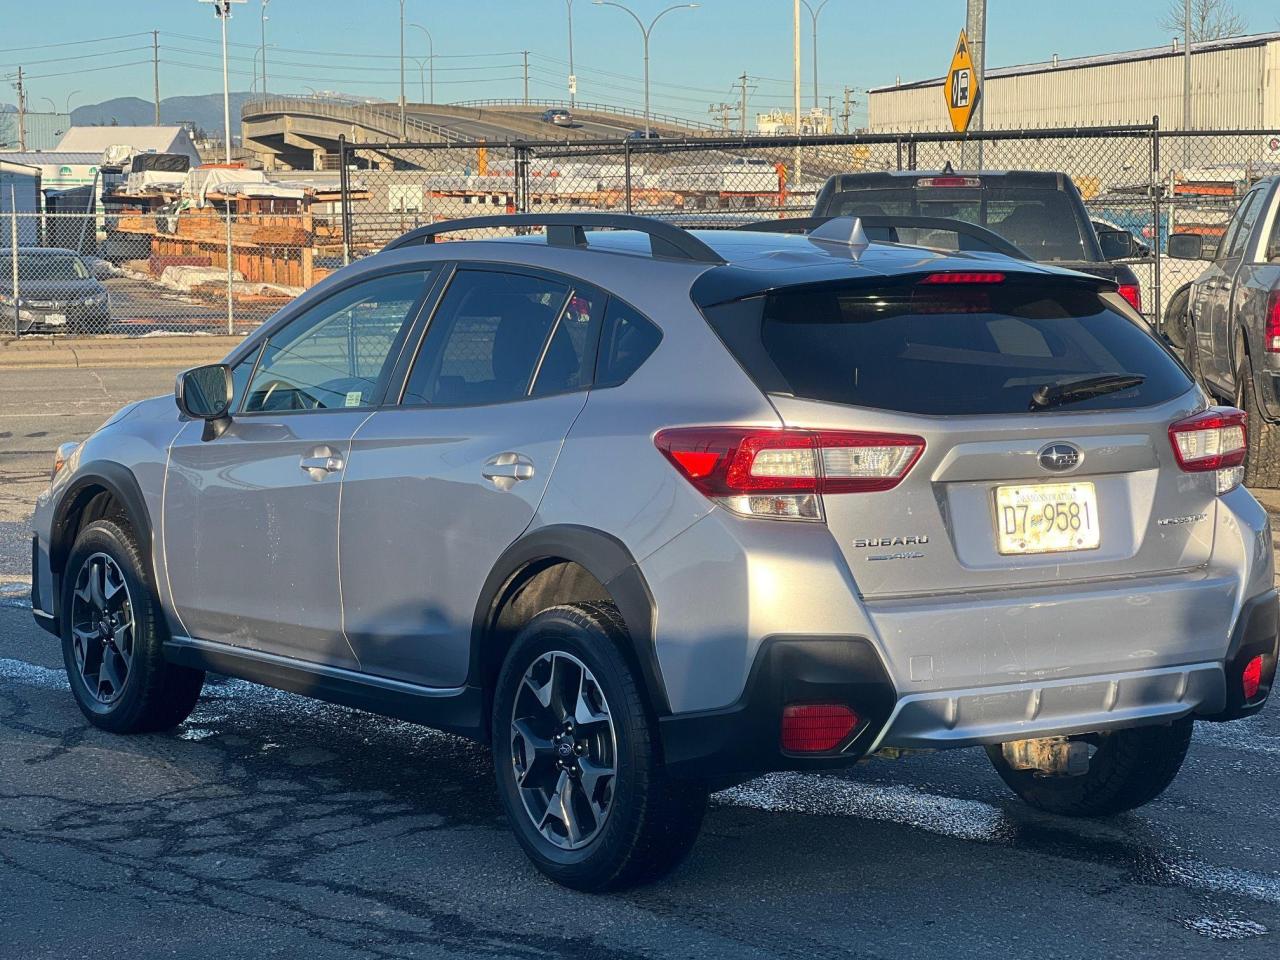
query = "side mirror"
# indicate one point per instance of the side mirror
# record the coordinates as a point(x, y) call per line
point(1117, 244)
point(1187, 246)
point(205, 393)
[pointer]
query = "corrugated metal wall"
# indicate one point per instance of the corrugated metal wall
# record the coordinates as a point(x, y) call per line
point(1236, 88)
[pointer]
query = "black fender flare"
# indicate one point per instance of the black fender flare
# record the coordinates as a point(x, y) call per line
point(123, 486)
point(607, 559)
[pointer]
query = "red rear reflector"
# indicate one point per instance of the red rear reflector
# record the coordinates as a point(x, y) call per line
point(1133, 293)
point(1251, 679)
point(1213, 440)
point(695, 464)
point(816, 727)
point(963, 277)
point(948, 182)
point(1273, 322)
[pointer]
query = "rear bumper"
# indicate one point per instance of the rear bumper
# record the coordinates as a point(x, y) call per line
point(732, 744)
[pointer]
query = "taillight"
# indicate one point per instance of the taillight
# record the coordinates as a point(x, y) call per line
point(948, 182)
point(1273, 322)
point(963, 277)
point(781, 473)
point(1133, 293)
point(1215, 440)
point(1251, 678)
point(816, 727)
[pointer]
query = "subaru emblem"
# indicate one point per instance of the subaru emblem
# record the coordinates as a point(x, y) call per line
point(1060, 457)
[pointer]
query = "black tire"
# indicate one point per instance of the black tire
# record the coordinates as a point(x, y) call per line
point(1129, 768)
point(154, 694)
point(1176, 327)
point(1262, 458)
point(652, 820)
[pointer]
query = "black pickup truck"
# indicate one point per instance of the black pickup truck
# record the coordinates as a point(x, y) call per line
point(1040, 213)
point(1233, 321)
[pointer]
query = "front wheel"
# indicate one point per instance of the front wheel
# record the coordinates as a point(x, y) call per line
point(112, 636)
point(577, 760)
point(1127, 769)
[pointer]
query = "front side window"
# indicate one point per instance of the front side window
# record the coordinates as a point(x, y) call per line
point(337, 354)
point(486, 340)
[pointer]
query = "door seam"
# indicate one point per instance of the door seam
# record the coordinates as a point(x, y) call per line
point(337, 539)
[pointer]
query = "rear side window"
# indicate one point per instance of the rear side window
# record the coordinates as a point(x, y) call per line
point(915, 349)
point(485, 341)
point(625, 342)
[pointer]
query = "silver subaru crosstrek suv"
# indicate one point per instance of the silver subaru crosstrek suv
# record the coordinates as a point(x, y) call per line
point(652, 512)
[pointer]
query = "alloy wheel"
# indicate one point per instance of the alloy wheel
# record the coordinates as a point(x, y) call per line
point(564, 750)
point(102, 627)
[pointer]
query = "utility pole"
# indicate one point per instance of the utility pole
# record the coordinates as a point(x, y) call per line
point(722, 109)
point(848, 108)
point(573, 78)
point(402, 123)
point(1186, 84)
point(976, 30)
point(795, 80)
point(526, 77)
point(815, 11)
point(155, 70)
point(222, 10)
point(22, 113)
point(646, 32)
point(742, 108)
point(264, 19)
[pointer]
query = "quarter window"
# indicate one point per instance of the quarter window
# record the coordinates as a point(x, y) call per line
point(339, 352)
point(486, 339)
point(625, 342)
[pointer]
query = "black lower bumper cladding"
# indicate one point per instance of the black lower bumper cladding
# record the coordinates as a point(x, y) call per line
point(1257, 633)
point(737, 742)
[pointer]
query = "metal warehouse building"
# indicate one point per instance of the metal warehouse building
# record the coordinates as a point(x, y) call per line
point(1235, 84)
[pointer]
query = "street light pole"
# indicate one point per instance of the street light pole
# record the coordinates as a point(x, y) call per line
point(222, 10)
point(645, 32)
point(69, 96)
point(573, 77)
point(402, 123)
point(431, 57)
point(814, 13)
point(264, 46)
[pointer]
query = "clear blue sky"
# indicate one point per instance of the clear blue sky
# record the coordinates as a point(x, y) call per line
point(695, 53)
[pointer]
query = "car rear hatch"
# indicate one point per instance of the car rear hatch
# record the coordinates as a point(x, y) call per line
point(1007, 491)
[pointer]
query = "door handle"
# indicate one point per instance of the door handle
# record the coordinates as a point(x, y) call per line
point(321, 463)
point(507, 469)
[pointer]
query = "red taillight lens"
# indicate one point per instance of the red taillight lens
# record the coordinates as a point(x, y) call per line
point(1133, 293)
point(1211, 440)
point(963, 277)
point(1273, 322)
point(1251, 678)
point(816, 727)
point(948, 182)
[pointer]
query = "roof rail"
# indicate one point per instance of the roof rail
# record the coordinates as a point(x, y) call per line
point(570, 229)
point(886, 229)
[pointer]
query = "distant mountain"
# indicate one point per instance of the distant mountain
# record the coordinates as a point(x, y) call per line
point(205, 111)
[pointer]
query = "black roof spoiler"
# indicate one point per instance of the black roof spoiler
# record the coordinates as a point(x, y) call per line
point(570, 230)
point(885, 229)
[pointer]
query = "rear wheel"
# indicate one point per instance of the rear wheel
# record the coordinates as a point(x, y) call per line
point(1262, 457)
point(1127, 769)
point(112, 635)
point(1176, 326)
point(576, 756)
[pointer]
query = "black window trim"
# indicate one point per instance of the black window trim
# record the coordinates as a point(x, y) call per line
point(433, 271)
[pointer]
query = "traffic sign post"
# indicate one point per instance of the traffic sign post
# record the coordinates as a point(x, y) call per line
point(963, 86)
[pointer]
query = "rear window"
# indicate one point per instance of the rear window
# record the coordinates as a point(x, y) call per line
point(1044, 224)
point(960, 350)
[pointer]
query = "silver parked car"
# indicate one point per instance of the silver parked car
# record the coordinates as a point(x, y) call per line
point(652, 512)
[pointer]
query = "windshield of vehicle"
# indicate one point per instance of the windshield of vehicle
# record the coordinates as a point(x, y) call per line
point(1042, 223)
point(944, 349)
point(34, 268)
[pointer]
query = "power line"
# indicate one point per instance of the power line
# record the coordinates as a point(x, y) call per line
point(69, 43)
point(85, 56)
point(76, 73)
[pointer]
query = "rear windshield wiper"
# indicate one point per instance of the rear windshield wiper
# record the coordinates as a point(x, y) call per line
point(1082, 388)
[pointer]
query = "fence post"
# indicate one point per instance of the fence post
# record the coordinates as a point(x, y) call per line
point(13, 255)
point(231, 323)
point(626, 179)
point(344, 193)
point(522, 177)
point(898, 144)
point(1157, 189)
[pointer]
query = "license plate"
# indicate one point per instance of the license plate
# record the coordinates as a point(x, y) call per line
point(55, 318)
point(1047, 518)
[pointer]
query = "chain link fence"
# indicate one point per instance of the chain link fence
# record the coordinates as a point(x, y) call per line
point(219, 268)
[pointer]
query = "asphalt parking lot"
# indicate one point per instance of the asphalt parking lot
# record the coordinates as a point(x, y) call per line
point(269, 825)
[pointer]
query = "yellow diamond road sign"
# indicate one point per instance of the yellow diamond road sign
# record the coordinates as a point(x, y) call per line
point(962, 88)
